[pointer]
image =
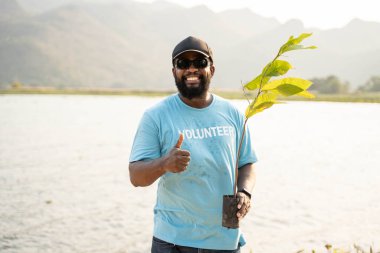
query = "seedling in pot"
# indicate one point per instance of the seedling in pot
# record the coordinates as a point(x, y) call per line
point(268, 91)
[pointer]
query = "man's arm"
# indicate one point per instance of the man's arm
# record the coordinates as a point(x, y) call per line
point(246, 177)
point(246, 180)
point(144, 173)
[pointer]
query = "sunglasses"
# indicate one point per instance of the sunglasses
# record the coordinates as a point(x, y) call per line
point(199, 63)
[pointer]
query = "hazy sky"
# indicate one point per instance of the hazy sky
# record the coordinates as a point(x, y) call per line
point(319, 13)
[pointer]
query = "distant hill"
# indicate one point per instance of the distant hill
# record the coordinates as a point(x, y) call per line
point(129, 44)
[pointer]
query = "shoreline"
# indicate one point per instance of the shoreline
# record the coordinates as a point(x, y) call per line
point(230, 94)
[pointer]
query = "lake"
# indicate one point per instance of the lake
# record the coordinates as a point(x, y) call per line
point(64, 184)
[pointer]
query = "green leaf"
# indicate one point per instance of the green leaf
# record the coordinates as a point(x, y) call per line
point(288, 89)
point(269, 90)
point(260, 108)
point(276, 68)
point(292, 43)
point(263, 101)
point(306, 94)
point(255, 83)
point(301, 38)
point(298, 47)
point(298, 82)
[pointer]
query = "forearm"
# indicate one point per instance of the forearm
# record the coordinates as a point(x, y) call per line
point(246, 180)
point(246, 177)
point(144, 173)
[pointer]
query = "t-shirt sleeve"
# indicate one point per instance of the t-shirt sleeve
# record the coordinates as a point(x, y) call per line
point(247, 153)
point(146, 145)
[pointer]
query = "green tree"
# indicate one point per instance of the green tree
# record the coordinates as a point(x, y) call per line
point(16, 85)
point(330, 85)
point(372, 85)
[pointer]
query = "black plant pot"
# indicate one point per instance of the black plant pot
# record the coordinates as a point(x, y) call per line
point(229, 218)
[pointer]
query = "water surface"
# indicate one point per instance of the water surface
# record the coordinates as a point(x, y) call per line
point(64, 183)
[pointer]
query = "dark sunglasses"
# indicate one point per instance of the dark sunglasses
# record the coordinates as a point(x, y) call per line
point(199, 63)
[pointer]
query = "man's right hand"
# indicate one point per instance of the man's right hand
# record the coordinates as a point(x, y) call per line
point(177, 159)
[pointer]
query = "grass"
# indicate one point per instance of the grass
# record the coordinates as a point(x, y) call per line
point(356, 249)
point(373, 97)
point(231, 94)
point(331, 249)
point(83, 91)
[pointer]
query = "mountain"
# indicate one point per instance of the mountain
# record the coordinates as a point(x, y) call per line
point(65, 46)
point(128, 44)
point(10, 8)
point(39, 6)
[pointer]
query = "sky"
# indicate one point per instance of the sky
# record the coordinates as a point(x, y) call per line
point(323, 14)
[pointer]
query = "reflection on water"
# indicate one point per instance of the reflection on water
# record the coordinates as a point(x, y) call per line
point(64, 183)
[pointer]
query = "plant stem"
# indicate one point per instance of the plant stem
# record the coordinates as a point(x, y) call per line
point(245, 122)
point(262, 77)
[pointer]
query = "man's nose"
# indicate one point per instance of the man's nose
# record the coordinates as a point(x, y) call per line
point(192, 68)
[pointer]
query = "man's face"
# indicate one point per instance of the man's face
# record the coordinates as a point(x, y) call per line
point(192, 81)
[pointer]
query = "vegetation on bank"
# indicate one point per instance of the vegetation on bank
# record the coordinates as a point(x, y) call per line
point(83, 91)
point(333, 85)
point(363, 97)
point(331, 249)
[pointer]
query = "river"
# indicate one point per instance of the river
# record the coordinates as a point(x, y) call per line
point(64, 183)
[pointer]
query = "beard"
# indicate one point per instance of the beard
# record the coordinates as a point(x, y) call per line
point(193, 92)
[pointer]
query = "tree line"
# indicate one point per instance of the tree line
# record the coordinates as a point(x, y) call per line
point(328, 85)
point(333, 85)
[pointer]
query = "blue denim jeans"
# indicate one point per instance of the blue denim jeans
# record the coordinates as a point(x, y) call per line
point(160, 246)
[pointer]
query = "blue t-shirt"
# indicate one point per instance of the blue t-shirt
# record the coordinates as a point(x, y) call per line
point(188, 210)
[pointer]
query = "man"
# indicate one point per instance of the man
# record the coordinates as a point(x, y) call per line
point(189, 141)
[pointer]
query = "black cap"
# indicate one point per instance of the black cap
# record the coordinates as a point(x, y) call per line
point(192, 44)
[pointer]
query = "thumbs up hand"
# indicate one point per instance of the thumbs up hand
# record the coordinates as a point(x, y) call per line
point(177, 159)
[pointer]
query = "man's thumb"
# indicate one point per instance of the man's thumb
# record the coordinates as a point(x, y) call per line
point(179, 142)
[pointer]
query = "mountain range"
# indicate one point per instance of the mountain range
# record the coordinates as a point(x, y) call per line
point(128, 44)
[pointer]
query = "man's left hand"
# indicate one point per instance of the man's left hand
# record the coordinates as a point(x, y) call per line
point(244, 205)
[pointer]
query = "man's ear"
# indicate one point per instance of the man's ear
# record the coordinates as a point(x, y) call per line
point(212, 70)
point(173, 71)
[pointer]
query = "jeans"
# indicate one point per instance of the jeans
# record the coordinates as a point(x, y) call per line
point(160, 246)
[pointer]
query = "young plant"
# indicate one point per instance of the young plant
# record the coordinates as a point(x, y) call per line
point(268, 90)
